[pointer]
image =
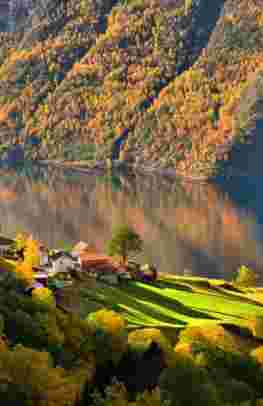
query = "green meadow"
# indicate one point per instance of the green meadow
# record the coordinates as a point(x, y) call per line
point(173, 302)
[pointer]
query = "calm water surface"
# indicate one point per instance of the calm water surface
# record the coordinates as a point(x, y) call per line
point(205, 228)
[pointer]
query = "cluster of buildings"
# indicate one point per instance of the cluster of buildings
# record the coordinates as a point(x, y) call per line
point(58, 268)
point(80, 260)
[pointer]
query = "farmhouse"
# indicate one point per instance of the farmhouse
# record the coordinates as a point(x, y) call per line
point(63, 262)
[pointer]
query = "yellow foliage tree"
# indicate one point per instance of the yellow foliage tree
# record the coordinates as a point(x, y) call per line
point(212, 334)
point(257, 353)
point(43, 295)
point(184, 349)
point(24, 371)
point(256, 326)
point(142, 337)
point(110, 321)
point(111, 328)
point(31, 252)
point(20, 240)
point(25, 272)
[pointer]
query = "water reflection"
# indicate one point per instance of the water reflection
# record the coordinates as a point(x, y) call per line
point(202, 227)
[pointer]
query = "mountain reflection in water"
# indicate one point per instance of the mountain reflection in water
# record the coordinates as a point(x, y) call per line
point(208, 229)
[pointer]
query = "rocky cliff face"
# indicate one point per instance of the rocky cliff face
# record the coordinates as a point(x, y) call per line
point(175, 73)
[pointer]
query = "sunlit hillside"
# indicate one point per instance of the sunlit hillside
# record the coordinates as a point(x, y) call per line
point(185, 77)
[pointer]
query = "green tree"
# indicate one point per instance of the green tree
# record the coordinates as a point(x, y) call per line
point(123, 242)
point(28, 378)
point(245, 276)
point(174, 385)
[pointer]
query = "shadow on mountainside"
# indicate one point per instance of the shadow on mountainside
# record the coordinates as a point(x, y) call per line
point(245, 157)
point(241, 175)
point(205, 20)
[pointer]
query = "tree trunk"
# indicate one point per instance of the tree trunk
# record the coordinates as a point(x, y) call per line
point(124, 259)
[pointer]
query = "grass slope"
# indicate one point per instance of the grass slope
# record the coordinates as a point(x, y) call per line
point(172, 302)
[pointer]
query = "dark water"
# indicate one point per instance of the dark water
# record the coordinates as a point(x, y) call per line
point(208, 229)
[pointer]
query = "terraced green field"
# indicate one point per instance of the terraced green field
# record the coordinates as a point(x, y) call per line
point(174, 302)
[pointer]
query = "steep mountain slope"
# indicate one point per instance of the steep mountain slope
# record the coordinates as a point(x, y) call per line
point(175, 73)
point(197, 118)
point(30, 74)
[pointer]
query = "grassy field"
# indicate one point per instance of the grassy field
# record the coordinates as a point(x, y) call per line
point(170, 303)
point(173, 302)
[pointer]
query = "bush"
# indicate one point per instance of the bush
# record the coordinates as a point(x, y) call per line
point(257, 354)
point(245, 277)
point(117, 397)
point(28, 378)
point(226, 365)
point(214, 335)
point(141, 339)
point(110, 335)
point(256, 326)
point(137, 372)
point(184, 349)
point(109, 320)
point(234, 391)
point(186, 384)
point(24, 272)
point(43, 296)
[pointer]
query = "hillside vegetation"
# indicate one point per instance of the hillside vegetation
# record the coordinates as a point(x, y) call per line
point(181, 329)
point(184, 77)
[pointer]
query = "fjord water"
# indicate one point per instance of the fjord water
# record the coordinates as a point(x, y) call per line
point(205, 228)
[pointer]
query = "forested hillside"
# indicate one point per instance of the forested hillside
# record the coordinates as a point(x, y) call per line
point(184, 77)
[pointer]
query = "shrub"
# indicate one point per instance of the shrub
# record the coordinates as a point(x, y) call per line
point(223, 366)
point(141, 339)
point(187, 384)
point(245, 277)
point(234, 392)
point(137, 372)
point(109, 333)
point(28, 378)
point(109, 320)
point(256, 326)
point(214, 335)
point(184, 349)
point(257, 354)
point(28, 248)
point(24, 271)
point(117, 397)
point(43, 296)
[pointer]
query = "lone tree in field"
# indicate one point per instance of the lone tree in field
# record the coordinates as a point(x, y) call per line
point(123, 242)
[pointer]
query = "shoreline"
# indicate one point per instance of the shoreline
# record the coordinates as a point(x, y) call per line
point(101, 167)
point(83, 167)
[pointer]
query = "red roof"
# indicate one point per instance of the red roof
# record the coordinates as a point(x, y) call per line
point(97, 261)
